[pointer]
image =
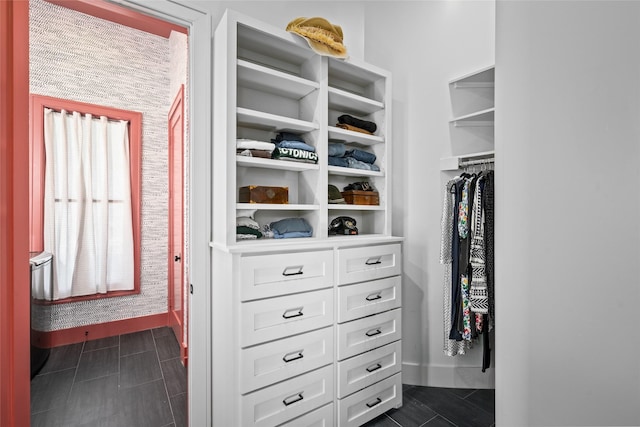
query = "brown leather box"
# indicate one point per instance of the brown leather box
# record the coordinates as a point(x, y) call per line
point(359, 197)
point(262, 194)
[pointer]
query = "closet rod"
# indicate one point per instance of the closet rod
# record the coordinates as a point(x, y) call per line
point(476, 162)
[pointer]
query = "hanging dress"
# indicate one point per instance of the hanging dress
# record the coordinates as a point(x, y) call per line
point(451, 347)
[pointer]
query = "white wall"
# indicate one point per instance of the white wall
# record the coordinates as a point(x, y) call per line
point(424, 45)
point(348, 14)
point(567, 236)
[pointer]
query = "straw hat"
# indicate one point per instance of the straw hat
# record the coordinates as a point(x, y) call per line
point(323, 37)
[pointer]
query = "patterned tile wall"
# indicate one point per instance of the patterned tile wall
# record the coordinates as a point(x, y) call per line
point(79, 57)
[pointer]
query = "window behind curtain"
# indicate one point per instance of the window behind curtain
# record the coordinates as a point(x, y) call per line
point(85, 196)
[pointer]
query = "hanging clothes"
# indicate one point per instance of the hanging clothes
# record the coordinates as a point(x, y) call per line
point(466, 251)
point(451, 346)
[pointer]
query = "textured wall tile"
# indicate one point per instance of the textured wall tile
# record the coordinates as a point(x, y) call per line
point(82, 58)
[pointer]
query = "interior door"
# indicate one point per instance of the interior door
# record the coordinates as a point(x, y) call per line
point(177, 308)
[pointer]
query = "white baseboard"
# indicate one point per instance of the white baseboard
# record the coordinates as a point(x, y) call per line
point(447, 376)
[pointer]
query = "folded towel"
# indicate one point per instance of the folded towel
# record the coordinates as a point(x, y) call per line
point(252, 144)
point(292, 234)
point(291, 225)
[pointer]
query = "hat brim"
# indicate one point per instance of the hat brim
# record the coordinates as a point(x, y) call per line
point(323, 49)
point(324, 38)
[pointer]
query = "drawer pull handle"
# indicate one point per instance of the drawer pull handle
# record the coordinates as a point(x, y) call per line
point(292, 399)
point(374, 367)
point(298, 355)
point(373, 261)
point(287, 271)
point(375, 402)
point(298, 313)
point(373, 297)
point(373, 332)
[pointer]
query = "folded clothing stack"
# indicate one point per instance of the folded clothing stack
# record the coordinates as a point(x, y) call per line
point(291, 227)
point(247, 228)
point(291, 146)
point(254, 148)
point(352, 158)
point(355, 124)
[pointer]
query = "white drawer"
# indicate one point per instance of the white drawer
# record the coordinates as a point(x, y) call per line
point(365, 299)
point(367, 404)
point(322, 417)
point(269, 363)
point(264, 276)
point(274, 318)
point(368, 333)
point(282, 402)
point(361, 371)
point(368, 263)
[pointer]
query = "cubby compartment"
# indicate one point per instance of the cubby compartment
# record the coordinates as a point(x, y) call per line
point(369, 219)
point(352, 78)
point(359, 92)
point(472, 93)
point(278, 51)
point(471, 127)
point(302, 185)
point(275, 83)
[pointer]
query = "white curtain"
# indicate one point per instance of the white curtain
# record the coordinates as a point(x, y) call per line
point(87, 208)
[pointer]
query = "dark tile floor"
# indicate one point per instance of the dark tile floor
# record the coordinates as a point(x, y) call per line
point(137, 380)
point(131, 380)
point(440, 407)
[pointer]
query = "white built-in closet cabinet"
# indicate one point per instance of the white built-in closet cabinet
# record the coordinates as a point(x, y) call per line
point(306, 331)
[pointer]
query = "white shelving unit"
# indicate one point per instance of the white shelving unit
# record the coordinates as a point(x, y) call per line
point(472, 125)
point(283, 356)
point(268, 81)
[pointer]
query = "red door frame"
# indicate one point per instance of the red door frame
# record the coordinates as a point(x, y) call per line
point(176, 320)
point(14, 214)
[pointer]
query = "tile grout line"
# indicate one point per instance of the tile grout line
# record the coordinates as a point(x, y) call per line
point(75, 374)
point(392, 420)
point(430, 419)
point(164, 381)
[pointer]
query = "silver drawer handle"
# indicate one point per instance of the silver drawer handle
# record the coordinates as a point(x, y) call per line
point(298, 313)
point(298, 268)
point(373, 368)
point(373, 261)
point(373, 332)
point(374, 403)
point(292, 399)
point(373, 297)
point(298, 355)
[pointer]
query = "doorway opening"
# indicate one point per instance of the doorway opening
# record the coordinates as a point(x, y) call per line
point(156, 275)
